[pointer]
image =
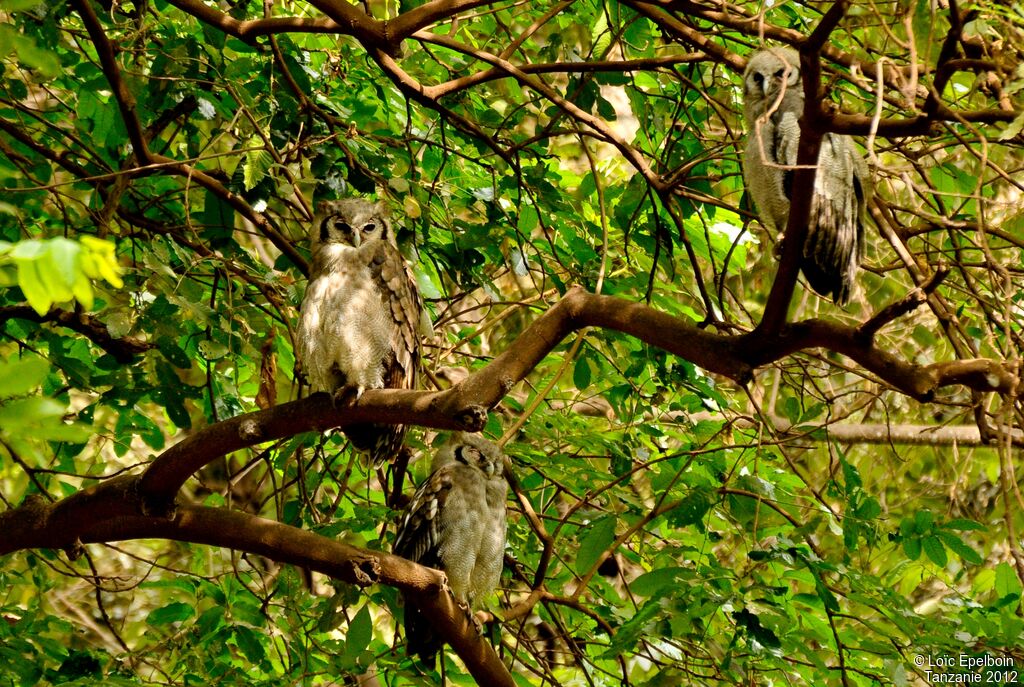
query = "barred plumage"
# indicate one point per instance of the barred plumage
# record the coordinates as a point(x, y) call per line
point(455, 523)
point(360, 319)
point(773, 102)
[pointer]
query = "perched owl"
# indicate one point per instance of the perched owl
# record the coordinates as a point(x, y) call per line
point(361, 316)
point(455, 523)
point(773, 101)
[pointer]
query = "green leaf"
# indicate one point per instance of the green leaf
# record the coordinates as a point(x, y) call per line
point(250, 643)
point(257, 162)
point(99, 261)
point(18, 5)
point(962, 524)
point(32, 285)
point(581, 373)
point(693, 507)
point(171, 613)
point(912, 547)
point(631, 631)
point(597, 538)
point(869, 509)
point(18, 377)
point(210, 620)
point(30, 54)
point(657, 581)
point(212, 350)
point(935, 551)
point(360, 632)
point(1012, 129)
point(1007, 583)
point(764, 636)
point(923, 521)
point(217, 214)
point(957, 546)
point(826, 595)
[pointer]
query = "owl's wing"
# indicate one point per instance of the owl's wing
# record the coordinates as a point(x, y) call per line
point(402, 299)
point(419, 534)
point(396, 280)
point(419, 540)
point(835, 235)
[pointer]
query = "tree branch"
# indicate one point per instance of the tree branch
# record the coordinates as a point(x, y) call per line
point(408, 23)
point(861, 433)
point(124, 350)
point(464, 406)
point(249, 30)
point(109, 512)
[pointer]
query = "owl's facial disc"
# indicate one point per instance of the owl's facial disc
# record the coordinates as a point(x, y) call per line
point(335, 230)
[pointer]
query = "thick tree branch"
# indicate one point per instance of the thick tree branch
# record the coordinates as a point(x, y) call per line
point(463, 407)
point(109, 512)
point(408, 23)
point(777, 306)
point(249, 30)
point(863, 433)
point(816, 41)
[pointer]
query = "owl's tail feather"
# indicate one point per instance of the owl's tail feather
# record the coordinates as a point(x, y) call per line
point(421, 640)
point(382, 442)
point(825, 280)
point(832, 251)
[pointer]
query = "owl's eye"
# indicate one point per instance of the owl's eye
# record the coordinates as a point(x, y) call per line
point(758, 79)
point(367, 228)
point(344, 227)
point(779, 74)
point(467, 455)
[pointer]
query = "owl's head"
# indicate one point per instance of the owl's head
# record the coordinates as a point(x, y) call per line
point(471, 450)
point(350, 222)
point(769, 72)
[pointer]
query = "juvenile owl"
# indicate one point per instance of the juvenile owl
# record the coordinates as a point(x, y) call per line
point(773, 101)
point(455, 523)
point(361, 316)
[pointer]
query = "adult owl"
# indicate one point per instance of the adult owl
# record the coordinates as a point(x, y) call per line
point(455, 523)
point(773, 101)
point(361, 316)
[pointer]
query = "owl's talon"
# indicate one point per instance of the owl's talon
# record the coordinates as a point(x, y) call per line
point(478, 621)
point(468, 610)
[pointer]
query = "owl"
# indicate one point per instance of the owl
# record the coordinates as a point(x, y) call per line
point(361, 318)
point(773, 101)
point(455, 523)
